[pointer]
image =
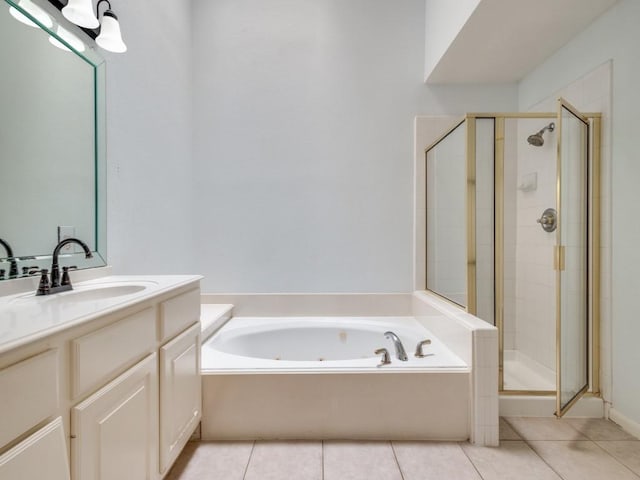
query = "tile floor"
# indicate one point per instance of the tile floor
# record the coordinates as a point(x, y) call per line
point(530, 448)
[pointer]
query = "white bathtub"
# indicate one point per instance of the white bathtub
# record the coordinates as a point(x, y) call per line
point(326, 383)
point(322, 345)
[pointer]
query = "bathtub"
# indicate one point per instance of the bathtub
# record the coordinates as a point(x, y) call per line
point(302, 377)
point(322, 345)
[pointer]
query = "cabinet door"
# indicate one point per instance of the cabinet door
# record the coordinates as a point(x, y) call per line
point(180, 393)
point(41, 455)
point(115, 431)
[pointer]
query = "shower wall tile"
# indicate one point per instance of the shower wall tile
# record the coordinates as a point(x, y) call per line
point(535, 297)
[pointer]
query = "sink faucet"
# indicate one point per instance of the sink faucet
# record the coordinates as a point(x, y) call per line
point(400, 352)
point(56, 286)
point(13, 268)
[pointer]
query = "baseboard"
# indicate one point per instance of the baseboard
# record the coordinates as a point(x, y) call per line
point(630, 426)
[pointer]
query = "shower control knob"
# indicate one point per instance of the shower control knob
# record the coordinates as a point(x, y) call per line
point(549, 220)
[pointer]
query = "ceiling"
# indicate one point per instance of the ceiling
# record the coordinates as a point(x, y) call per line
point(503, 40)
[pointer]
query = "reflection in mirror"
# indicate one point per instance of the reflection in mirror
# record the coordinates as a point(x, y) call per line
point(446, 217)
point(51, 139)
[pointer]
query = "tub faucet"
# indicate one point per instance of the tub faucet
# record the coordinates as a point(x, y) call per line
point(400, 352)
point(13, 265)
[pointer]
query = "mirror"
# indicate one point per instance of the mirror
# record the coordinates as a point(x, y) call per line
point(52, 151)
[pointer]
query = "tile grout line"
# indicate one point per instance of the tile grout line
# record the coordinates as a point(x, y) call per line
point(612, 456)
point(589, 439)
point(393, 450)
point(596, 443)
point(526, 442)
point(469, 458)
point(246, 468)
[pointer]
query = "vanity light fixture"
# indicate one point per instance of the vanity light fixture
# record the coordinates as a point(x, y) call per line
point(34, 11)
point(80, 12)
point(107, 33)
point(110, 37)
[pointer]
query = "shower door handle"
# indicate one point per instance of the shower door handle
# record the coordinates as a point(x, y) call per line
point(558, 258)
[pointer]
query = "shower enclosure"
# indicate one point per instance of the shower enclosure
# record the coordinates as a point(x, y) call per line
point(512, 232)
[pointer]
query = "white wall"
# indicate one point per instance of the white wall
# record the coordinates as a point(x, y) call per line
point(303, 113)
point(442, 25)
point(150, 221)
point(613, 36)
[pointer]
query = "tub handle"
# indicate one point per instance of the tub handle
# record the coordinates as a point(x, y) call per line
point(419, 353)
point(386, 360)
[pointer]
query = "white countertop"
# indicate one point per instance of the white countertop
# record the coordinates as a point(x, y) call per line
point(25, 318)
point(213, 316)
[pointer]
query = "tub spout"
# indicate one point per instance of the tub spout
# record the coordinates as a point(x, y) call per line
point(400, 351)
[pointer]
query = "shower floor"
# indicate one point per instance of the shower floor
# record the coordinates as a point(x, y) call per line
point(521, 372)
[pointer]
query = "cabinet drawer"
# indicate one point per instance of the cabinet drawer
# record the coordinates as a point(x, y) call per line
point(28, 394)
point(101, 355)
point(42, 455)
point(178, 313)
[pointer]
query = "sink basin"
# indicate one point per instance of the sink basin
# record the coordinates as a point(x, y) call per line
point(86, 293)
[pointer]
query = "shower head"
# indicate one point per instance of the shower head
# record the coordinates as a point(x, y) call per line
point(536, 139)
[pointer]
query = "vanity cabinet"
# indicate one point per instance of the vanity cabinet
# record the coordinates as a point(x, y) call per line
point(41, 455)
point(180, 393)
point(113, 398)
point(29, 394)
point(114, 432)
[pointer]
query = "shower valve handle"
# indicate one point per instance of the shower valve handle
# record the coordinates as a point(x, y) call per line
point(548, 220)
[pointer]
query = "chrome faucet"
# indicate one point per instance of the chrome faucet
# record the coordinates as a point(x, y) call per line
point(13, 265)
point(46, 288)
point(400, 352)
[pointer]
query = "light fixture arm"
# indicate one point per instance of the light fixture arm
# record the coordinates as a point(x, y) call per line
point(98, 6)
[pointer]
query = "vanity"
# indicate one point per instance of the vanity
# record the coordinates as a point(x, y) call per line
point(102, 382)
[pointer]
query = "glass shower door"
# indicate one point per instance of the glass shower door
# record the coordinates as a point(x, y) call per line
point(571, 257)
